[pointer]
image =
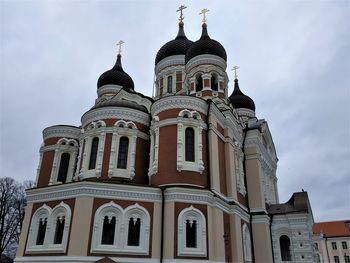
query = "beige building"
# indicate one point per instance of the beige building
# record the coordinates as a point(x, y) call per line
point(188, 175)
point(332, 241)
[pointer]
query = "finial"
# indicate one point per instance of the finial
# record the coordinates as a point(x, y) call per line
point(181, 19)
point(119, 44)
point(203, 12)
point(234, 69)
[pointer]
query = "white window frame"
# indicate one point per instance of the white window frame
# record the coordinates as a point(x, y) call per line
point(94, 129)
point(194, 121)
point(64, 146)
point(191, 213)
point(61, 209)
point(154, 147)
point(121, 231)
point(247, 245)
point(127, 129)
point(239, 171)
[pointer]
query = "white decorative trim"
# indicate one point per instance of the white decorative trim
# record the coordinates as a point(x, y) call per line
point(108, 89)
point(179, 102)
point(260, 219)
point(62, 210)
point(168, 62)
point(61, 131)
point(121, 229)
point(154, 147)
point(192, 214)
point(245, 112)
point(206, 59)
point(115, 113)
point(247, 245)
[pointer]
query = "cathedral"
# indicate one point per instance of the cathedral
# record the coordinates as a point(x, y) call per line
point(187, 175)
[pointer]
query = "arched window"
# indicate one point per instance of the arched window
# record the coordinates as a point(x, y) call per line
point(63, 170)
point(134, 231)
point(199, 83)
point(191, 233)
point(108, 230)
point(41, 231)
point(285, 248)
point(123, 153)
point(60, 221)
point(93, 153)
point(214, 83)
point(189, 142)
point(170, 84)
point(247, 245)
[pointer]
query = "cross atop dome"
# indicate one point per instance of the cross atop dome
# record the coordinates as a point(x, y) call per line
point(119, 44)
point(203, 12)
point(181, 8)
point(234, 69)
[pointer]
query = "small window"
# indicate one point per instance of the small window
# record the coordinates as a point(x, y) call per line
point(41, 231)
point(191, 233)
point(189, 142)
point(108, 230)
point(93, 153)
point(285, 248)
point(334, 245)
point(59, 230)
point(170, 84)
point(336, 259)
point(316, 245)
point(344, 245)
point(63, 170)
point(347, 259)
point(123, 153)
point(134, 232)
point(214, 83)
point(199, 83)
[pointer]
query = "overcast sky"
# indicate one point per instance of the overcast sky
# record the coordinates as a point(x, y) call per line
point(294, 62)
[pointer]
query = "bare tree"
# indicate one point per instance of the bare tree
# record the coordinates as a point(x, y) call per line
point(12, 203)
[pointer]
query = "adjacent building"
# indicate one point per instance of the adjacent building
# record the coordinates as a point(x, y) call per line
point(188, 175)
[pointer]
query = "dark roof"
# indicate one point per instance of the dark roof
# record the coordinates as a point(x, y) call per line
point(178, 46)
point(333, 228)
point(299, 202)
point(116, 76)
point(205, 45)
point(120, 103)
point(239, 100)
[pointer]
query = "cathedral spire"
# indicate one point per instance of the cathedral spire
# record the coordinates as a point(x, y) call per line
point(181, 19)
point(203, 12)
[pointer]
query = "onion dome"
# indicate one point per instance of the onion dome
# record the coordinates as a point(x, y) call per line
point(239, 100)
point(205, 45)
point(178, 46)
point(116, 76)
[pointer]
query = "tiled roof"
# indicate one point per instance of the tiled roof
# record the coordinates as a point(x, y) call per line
point(333, 228)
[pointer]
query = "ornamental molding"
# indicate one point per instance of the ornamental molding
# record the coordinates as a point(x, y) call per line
point(169, 61)
point(206, 59)
point(246, 112)
point(107, 89)
point(179, 102)
point(115, 113)
point(264, 156)
point(61, 131)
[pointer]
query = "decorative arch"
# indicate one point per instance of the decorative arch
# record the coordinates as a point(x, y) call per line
point(285, 247)
point(247, 245)
point(191, 233)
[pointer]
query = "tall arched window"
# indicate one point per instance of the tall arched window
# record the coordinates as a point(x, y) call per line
point(191, 233)
point(170, 84)
point(41, 231)
point(285, 248)
point(60, 221)
point(123, 153)
point(108, 230)
point(93, 153)
point(214, 83)
point(199, 83)
point(247, 245)
point(134, 231)
point(189, 142)
point(63, 170)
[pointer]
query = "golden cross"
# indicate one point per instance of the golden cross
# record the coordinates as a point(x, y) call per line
point(234, 69)
point(119, 44)
point(203, 12)
point(181, 8)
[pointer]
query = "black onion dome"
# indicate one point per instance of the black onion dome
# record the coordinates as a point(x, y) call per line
point(178, 46)
point(205, 45)
point(239, 100)
point(116, 76)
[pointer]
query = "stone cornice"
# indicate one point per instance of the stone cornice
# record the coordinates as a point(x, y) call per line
point(115, 113)
point(61, 131)
point(179, 102)
point(206, 59)
point(169, 61)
